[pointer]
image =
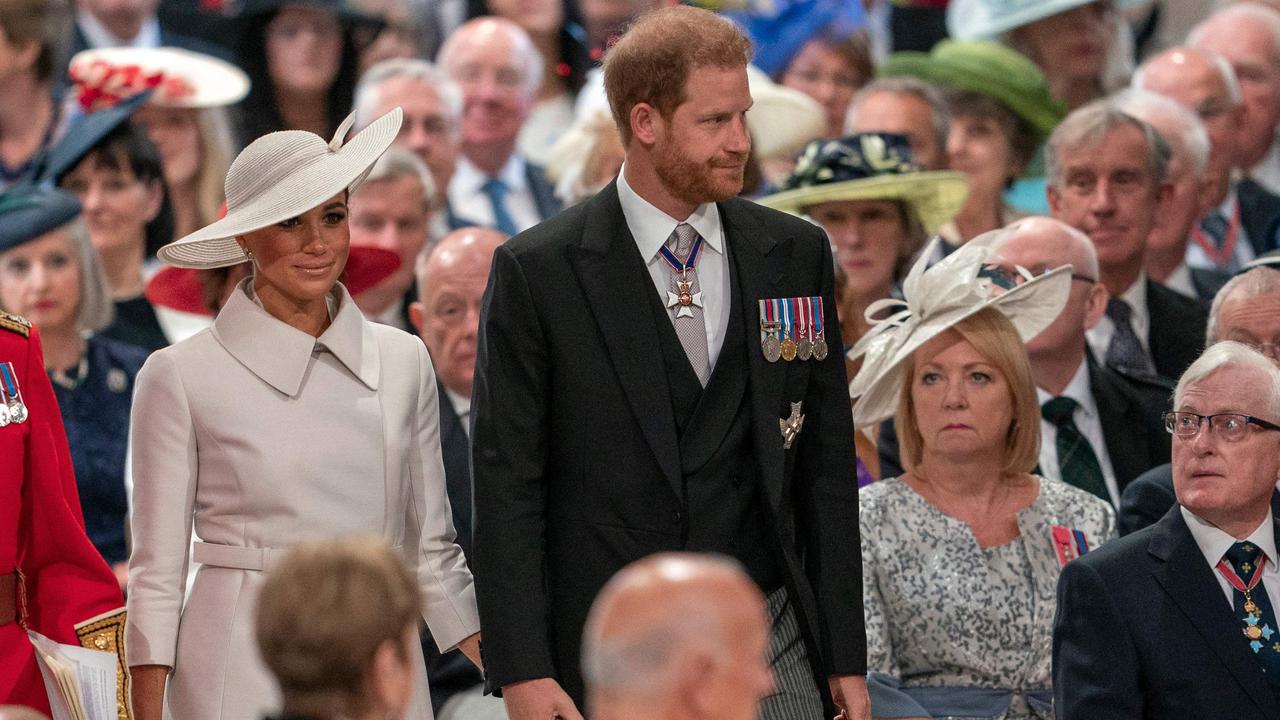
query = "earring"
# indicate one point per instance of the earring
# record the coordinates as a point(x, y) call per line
point(248, 254)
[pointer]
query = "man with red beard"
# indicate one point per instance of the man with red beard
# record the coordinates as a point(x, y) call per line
point(628, 399)
point(1106, 173)
point(499, 70)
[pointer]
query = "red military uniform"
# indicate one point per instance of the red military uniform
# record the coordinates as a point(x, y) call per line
point(49, 572)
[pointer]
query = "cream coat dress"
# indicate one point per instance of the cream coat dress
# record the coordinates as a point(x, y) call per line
point(263, 437)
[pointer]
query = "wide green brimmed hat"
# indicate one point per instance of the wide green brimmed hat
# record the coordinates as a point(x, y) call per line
point(985, 67)
point(870, 166)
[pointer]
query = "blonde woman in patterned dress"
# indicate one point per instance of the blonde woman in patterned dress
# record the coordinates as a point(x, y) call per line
point(961, 554)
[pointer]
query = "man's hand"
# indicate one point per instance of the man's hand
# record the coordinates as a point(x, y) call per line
point(542, 699)
point(850, 694)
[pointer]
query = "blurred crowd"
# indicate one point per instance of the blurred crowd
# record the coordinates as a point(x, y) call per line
point(1137, 141)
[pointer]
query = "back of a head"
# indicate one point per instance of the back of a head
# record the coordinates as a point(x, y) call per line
point(652, 61)
point(325, 611)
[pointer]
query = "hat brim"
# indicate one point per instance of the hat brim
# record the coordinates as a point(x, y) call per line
point(781, 120)
point(929, 69)
point(304, 188)
point(935, 195)
point(1031, 307)
point(83, 133)
point(213, 82)
point(965, 21)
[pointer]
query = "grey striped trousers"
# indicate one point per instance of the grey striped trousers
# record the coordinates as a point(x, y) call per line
point(795, 696)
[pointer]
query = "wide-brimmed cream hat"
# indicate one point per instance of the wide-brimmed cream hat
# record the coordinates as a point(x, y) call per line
point(934, 300)
point(180, 78)
point(279, 176)
point(781, 120)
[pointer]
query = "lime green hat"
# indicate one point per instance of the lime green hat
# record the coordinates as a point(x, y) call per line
point(985, 67)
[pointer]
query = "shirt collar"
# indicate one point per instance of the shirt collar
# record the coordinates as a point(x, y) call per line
point(471, 179)
point(281, 354)
point(1136, 296)
point(98, 36)
point(461, 403)
point(1214, 543)
point(1079, 389)
point(652, 227)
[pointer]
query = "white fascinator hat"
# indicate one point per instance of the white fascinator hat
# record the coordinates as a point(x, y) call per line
point(934, 300)
point(279, 176)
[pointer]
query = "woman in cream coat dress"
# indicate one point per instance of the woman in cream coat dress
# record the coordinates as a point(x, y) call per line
point(292, 419)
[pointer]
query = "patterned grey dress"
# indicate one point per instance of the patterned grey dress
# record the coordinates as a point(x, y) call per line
point(952, 627)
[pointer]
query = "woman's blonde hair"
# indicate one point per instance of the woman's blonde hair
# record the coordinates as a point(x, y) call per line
point(323, 614)
point(217, 150)
point(994, 337)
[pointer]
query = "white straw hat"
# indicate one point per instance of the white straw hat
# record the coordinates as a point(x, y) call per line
point(988, 19)
point(279, 176)
point(781, 120)
point(935, 299)
point(181, 78)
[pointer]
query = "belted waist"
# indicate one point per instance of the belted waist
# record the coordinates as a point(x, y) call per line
point(8, 598)
point(260, 559)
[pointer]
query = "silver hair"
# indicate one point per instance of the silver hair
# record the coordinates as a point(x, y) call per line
point(1225, 71)
point(96, 310)
point(527, 57)
point(367, 95)
point(1089, 124)
point(1252, 14)
point(396, 163)
point(1190, 136)
point(1228, 353)
point(1245, 286)
point(925, 92)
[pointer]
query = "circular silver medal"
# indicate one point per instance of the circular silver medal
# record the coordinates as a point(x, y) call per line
point(772, 348)
point(17, 412)
point(4, 414)
point(820, 349)
point(804, 349)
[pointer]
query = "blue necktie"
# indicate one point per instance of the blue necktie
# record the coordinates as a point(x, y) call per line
point(1256, 614)
point(1125, 351)
point(496, 190)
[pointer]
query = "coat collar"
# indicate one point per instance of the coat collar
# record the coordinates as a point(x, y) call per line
point(281, 354)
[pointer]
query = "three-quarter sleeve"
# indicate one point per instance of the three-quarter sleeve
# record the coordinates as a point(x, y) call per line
point(162, 443)
point(449, 598)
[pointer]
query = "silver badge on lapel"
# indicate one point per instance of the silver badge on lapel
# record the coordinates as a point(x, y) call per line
point(791, 425)
point(117, 381)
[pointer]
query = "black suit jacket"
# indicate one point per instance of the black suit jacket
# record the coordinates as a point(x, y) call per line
point(1130, 410)
point(1259, 214)
point(1207, 282)
point(1148, 498)
point(1143, 630)
point(574, 461)
point(1176, 331)
point(544, 193)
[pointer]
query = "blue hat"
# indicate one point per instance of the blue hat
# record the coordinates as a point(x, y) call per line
point(29, 211)
point(82, 134)
point(780, 31)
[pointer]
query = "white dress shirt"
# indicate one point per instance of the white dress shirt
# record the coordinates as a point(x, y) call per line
point(1087, 422)
point(1196, 256)
point(98, 36)
point(1099, 336)
point(651, 229)
point(1214, 543)
point(1180, 281)
point(469, 200)
point(461, 407)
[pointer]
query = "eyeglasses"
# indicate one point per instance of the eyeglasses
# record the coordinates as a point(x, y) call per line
point(1008, 278)
point(1231, 427)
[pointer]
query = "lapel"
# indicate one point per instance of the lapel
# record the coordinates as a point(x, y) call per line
point(618, 291)
point(1121, 431)
point(1186, 577)
point(544, 195)
point(761, 263)
point(457, 467)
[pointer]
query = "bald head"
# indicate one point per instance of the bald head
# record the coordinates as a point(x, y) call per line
point(451, 280)
point(1042, 243)
point(1247, 35)
point(677, 635)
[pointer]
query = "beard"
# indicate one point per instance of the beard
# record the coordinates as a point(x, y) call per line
point(698, 182)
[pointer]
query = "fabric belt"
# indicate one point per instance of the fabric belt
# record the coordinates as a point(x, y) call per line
point(243, 558)
point(8, 598)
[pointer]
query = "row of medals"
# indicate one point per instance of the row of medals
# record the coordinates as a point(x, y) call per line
point(778, 348)
point(12, 409)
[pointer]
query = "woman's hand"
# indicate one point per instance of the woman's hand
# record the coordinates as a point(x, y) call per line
point(147, 695)
point(470, 647)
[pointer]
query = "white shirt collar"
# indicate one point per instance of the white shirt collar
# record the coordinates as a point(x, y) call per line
point(1214, 543)
point(652, 227)
point(1136, 297)
point(470, 179)
point(1078, 389)
point(98, 36)
point(1180, 280)
point(461, 403)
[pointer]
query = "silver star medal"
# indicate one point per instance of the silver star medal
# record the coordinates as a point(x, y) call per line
point(686, 299)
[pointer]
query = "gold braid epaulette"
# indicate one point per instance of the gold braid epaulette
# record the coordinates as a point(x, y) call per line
point(14, 323)
point(106, 633)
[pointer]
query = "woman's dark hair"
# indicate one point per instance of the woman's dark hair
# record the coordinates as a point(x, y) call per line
point(1023, 139)
point(258, 113)
point(575, 58)
point(128, 148)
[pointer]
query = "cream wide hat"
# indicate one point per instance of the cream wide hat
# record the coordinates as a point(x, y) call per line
point(934, 300)
point(279, 176)
point(180, 78)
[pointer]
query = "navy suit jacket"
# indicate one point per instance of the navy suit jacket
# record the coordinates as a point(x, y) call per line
point(1143, 630)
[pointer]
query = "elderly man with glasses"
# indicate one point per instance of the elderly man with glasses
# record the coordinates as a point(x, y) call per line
point(1179, 620)
point(1247, 310)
